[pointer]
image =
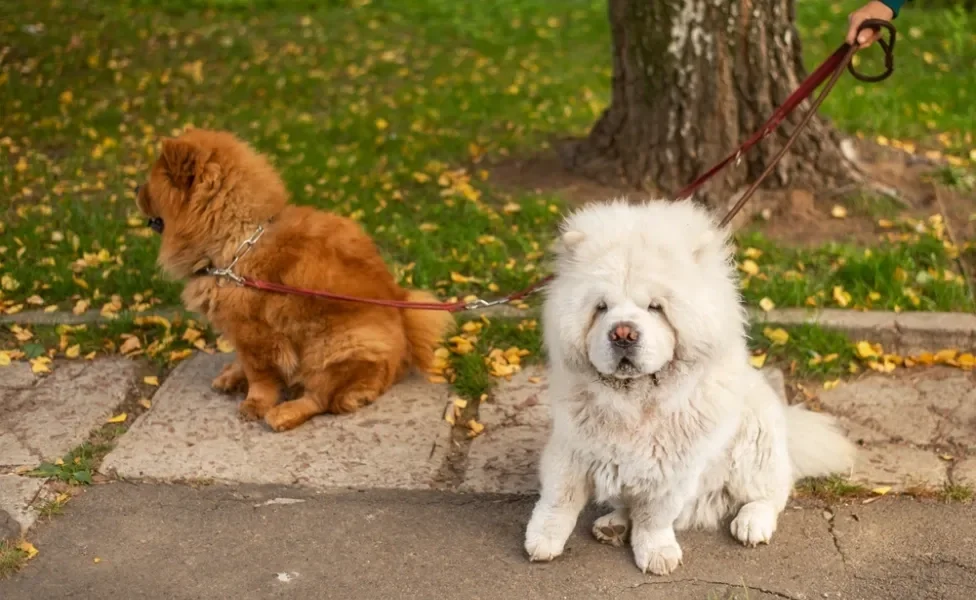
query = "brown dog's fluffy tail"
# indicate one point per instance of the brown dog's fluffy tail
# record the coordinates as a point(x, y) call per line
point(425, 329)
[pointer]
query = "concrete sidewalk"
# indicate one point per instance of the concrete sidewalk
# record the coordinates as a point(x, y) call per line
point(178, 542)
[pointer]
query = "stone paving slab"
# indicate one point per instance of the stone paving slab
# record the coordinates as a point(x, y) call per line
point(43, 418)
point(16, 495)
point(192, 432)
point(504, 459)
point(964, 472)
point(911, 426)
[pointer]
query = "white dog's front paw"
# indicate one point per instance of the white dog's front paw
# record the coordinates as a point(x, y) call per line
point(657, 553)
point(754, 524)
point(542, 548)
point(612, 528)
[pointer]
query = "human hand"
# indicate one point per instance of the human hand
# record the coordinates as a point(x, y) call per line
point(871, 10)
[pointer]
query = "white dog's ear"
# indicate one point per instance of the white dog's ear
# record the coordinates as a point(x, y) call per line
point(710, 242)
point(568, 240)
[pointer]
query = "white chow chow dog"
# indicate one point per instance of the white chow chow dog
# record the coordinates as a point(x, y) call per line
point(655, 408)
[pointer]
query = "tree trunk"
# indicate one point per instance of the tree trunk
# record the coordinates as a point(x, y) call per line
point(692, 79)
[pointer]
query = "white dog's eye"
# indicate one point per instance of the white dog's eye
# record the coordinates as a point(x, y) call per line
point(601, 307)
point(654, 307)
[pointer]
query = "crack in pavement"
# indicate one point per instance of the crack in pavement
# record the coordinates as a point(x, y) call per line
point(833, 535)
point(697, 581)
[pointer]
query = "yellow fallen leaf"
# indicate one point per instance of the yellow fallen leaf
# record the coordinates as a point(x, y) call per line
point(4, 358)
point(191, 334)
point(475, 428)
point(767, 304)
point(778, 336)
point(151, 380)
point(458, 278)
point(178, 355)
point(534, 380)
point(947, 355)
point(841, 297)
point(152, 320)
point(881, 490)
point(947, 457)
point(449, 413)
point(73, 351)
point(40, 365)
point(757, 360)
point(119, 418)
point(838, 212)
point(436, 379)
point(28, 548)
point(224, 345)
point(471, 327)
point(829, 385)
point(145, 403)
point(131, 344)
point(96, 560)
point(865, 350)
point(749, 267)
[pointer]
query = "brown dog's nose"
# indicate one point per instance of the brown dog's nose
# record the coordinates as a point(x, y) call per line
point(624, 335)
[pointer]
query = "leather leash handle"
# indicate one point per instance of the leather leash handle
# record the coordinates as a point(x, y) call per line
point(887, 46)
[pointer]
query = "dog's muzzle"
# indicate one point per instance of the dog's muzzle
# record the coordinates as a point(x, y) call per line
point(156, 224)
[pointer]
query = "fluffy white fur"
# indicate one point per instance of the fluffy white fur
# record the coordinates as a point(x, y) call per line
point(674, 429)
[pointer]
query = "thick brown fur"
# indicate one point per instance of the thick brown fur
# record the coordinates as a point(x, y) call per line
point(212, 192)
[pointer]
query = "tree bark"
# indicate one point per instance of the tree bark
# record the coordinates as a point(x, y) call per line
point(692, 79)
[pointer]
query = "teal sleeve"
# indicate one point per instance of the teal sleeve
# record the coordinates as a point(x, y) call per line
point(894, 5)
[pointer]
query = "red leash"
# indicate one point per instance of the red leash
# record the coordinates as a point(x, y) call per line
point(831, 68)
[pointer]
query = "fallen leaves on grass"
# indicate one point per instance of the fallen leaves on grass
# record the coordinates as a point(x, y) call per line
point(778, 336)
point(474, 428)
point(27, 548)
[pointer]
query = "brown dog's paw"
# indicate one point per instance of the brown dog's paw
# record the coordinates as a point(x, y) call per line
point(291, 414)
point(230, 380)
point(254, 408)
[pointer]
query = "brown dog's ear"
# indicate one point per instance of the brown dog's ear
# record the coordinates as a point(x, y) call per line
point(180, 159)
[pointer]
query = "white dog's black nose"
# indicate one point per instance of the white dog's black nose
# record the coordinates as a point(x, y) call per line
point(624, 334)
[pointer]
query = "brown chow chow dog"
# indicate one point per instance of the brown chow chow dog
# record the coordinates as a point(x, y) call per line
point(207, 193)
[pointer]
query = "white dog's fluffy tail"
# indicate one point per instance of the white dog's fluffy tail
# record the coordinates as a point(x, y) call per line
point(817, 446)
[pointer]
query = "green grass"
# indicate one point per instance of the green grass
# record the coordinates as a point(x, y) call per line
point(473, 375)
point(384, 111)
point(954, 492)
point(916, 272)
point(369, 111)
point(831, 489)
point(809, 352)
point(12, 558)
point(164, 341)
point(77, 467)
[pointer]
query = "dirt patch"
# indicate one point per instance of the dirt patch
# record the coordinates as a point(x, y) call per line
point(545, 173)
point(792, 216)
